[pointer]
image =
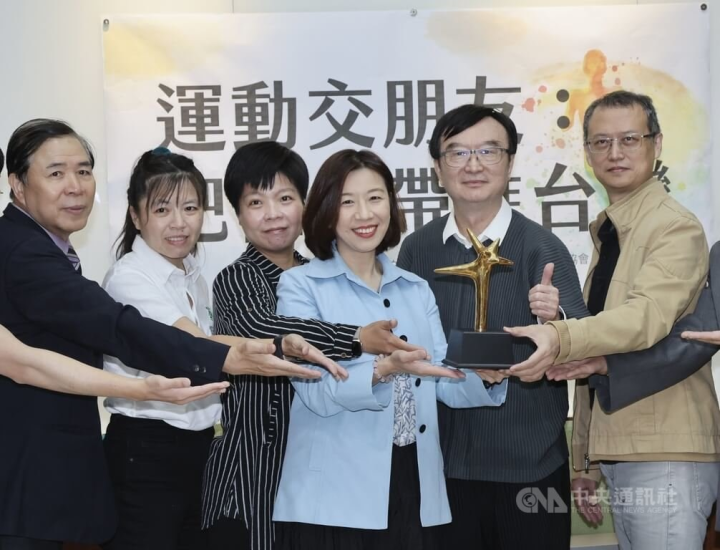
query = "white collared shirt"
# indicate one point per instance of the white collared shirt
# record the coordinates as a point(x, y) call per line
point(497, 229)
point(159, 290)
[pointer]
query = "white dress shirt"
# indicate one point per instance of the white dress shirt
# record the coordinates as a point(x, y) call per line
point(496, 230)
point(159, 290)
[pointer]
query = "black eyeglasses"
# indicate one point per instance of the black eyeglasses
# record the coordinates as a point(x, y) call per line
point(457, 158)
point(628, 142)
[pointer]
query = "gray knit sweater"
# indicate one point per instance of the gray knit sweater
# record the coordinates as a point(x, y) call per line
point(524, 439)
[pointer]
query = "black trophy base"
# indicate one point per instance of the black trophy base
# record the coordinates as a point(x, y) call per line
point(468, 349)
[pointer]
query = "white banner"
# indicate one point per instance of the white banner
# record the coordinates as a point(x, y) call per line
point(321, 82)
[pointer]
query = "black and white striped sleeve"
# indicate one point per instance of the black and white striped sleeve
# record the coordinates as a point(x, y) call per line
point(244, 305)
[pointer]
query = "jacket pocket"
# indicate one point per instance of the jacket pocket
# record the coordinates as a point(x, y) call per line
point(318, 448)
point(645, 421)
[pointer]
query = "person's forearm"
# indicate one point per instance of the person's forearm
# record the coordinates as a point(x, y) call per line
point(236, 340)
point(335, 341)
point(666, 285)
point(628, 328)
point(635, 376)
point(52, 371)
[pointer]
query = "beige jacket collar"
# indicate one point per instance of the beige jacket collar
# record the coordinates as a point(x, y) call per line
point(624, 212)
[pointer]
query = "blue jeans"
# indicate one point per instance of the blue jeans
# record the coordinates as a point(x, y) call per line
point(661, 505)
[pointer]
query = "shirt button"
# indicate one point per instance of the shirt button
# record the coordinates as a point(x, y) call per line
point(417, 383)
point(196, 368)
point(386, 302)
point(403, 338)
point(344, 355)
point(422, 429)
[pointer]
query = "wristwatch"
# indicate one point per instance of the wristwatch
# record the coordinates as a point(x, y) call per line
point(356, 347)
point(278, 343)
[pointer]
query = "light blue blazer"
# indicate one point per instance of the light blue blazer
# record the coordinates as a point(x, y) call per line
point(337, 464)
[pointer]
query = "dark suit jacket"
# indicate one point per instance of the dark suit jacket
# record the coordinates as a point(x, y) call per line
point(53, 479)
point(637, 375)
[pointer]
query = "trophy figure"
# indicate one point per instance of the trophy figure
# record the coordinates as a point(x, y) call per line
point(479, 348)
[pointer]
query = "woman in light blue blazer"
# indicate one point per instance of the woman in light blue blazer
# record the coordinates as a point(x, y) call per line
point(363, 467)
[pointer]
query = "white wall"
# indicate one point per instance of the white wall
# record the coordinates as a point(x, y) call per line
point(51, 66)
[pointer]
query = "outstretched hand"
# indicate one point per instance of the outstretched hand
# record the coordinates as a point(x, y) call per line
point(178, 390)
point(296, 346)
point(547, 341)
point(708, 337)
point(378, 338)
point(416, 363)
point(575, 370)
point(493, 376)
point(256, 357)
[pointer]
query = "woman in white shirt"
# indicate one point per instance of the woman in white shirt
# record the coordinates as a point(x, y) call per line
point(156, 451)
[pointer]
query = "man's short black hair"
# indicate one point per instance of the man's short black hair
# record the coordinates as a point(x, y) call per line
point(620, 99)
point(466, 116)
point(30, 136)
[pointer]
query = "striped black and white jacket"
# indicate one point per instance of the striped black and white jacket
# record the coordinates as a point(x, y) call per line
point(243, 469)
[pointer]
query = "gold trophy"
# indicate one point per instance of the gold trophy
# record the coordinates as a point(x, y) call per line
point(479, 348)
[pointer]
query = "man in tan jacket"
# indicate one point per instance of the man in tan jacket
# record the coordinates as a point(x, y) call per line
point(659, 455)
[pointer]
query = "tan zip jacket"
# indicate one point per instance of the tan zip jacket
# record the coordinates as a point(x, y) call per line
point(658, 278)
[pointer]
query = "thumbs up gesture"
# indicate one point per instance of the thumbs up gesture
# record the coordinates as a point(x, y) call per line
point(545, 298)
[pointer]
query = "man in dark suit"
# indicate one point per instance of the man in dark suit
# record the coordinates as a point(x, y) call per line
point(53, 478)
point(622, 379)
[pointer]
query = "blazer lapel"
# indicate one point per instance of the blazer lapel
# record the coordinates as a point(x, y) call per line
point(15, 215)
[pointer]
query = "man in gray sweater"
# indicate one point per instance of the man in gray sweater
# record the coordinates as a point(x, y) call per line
point(498, 461)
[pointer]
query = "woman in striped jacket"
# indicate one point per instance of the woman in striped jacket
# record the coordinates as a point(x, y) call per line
point(266, 183)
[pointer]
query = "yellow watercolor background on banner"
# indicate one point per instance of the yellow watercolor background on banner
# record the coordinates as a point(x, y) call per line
point(457, 32)
point(147, 50)
point(683, 119)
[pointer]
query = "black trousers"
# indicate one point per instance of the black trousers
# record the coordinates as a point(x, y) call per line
point(20, 543)
point(404, 531)
point(510, 516)
point(228, 534)
point(156, 472)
